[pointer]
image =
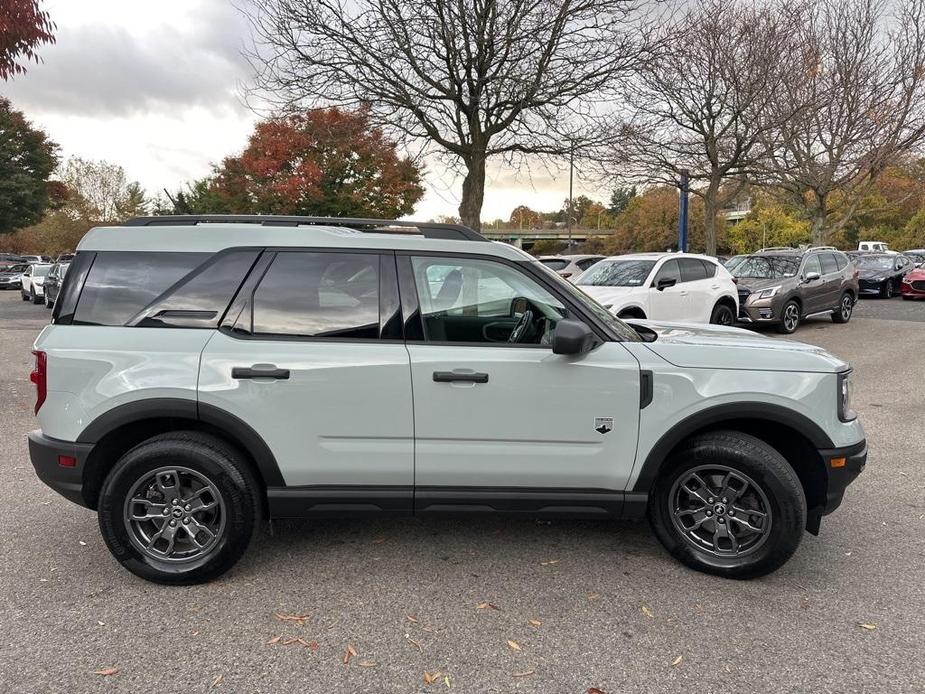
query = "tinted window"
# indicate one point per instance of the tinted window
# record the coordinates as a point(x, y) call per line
point(617, 273)
point(586, 263)
point(554, 263)
point(200, 299)
point(319, 295)
point(692, 269)
point(829, 264)
point(709, 267)
point(841, 260)
point(120, 284)
point(768, 267)
point(668, 271)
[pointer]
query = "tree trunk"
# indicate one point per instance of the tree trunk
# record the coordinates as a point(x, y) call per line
point(818, 226)
point(710, 211)
point(473, 191)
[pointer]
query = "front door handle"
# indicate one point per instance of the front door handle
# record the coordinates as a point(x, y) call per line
point(451, 376)
point(260, 371)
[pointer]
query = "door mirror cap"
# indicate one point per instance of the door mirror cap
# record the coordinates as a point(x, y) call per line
point(666, 282)
point(572, 337)
point(812, 276)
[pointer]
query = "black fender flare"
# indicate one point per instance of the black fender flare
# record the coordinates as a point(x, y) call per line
point(233, 427)
point(716, 415)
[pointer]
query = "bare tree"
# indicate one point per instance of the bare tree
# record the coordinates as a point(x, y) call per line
point(474, 79)
point(101, 192)
point(858, 100)
point(702, 104)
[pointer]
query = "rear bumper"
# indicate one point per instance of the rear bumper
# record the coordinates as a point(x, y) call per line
point(67, 481)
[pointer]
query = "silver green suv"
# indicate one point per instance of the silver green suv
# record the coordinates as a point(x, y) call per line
point(204, 373)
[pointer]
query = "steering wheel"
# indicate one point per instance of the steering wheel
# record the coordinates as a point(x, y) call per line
point(518, 332)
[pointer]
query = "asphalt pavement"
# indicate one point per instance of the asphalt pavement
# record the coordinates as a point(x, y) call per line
point(483, 605)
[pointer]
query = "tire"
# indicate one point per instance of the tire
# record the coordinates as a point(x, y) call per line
point(772, 484)
point(23, 295)
point(722, 315)
point(48, 302)
point(886, 290)
point(842, 313)
point(227, 527)
point(35, 298)
point(790, 318)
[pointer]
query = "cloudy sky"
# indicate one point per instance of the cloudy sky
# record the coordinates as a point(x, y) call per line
point(156, 87)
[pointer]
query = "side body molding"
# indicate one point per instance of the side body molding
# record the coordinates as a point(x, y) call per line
point(177, 408)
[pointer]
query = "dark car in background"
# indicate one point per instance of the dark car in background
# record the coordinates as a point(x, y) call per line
point(917, 256)
point(881, 274)
point(781, 287)
point(53, 283)
point(11, 275)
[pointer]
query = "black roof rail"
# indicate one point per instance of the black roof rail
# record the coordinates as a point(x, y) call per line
point(430, 230)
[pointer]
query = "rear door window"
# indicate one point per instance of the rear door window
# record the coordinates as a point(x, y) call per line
point(319, 295)
point(692, 270)
point(829, 263)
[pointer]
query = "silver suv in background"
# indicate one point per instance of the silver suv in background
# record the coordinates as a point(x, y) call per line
point(782, 287)
point(569, 266)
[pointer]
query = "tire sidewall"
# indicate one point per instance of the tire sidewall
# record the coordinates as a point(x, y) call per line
point(783, 324)
point(780, 484)
point(240, 507)
point(716, 313)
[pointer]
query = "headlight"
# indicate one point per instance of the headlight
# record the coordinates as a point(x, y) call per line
point(845, 413)
point(768, 293)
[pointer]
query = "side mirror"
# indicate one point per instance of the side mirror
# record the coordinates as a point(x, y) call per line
point(666, 282)
point(812, 277)
point(572, 337)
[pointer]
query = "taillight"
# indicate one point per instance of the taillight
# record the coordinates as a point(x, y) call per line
point(39, 377)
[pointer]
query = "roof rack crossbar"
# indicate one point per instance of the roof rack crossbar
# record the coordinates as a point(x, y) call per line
point(430, 230)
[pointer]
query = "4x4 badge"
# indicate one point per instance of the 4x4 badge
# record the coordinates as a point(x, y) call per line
point(603, 424)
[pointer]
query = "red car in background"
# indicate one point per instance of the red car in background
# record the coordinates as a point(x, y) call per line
point(913, 284)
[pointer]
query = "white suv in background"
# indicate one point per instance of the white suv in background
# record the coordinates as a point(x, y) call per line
point(664, 286)
point(33, 283)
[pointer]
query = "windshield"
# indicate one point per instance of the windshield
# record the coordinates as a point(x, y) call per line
point(734, 262)
point(617, 273)
point(40, 270)
point(625, 332)
point(877, 262)
point(554, 263)
point(768, 267)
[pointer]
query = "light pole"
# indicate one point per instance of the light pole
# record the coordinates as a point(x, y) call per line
point(684, 185)
point(571, 177)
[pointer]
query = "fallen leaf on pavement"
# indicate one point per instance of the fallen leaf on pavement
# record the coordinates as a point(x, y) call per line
point(514, 645)
point(367, 663)
point(349, 653)
point(487, 606)
point(647, 612)
point(107, 671)
point(525, 673)
point(313, 645)
point(593, 596)
point(217, 681)
point(411, 618)
point(677, 661)
point(869, 627)
point(298, 618)
point(415, 643)
point(431, 677)
point(275, 639)
point(446, 680)
point(595, 690)
point(289, 642)
point(82, 543)
point(535, 622)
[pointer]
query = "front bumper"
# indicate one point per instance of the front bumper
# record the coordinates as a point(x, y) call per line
point(764, 312)
point(67, 481)
point(869, 287)
point(842, 466)
point(915, 288)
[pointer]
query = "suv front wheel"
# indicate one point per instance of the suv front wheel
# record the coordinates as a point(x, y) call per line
point(728, 504)
point(179, 508)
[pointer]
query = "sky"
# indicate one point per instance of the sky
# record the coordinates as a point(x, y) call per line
point(157, 88)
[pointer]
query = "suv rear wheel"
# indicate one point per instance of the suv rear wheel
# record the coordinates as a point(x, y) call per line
point(728, 504)
point(179, 508)
point(842, 314)
point(723, 315)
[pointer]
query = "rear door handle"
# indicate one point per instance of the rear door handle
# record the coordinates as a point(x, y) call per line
point(452, 376)
point(260, 371)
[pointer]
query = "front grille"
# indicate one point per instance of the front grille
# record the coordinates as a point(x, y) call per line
point(919, 285)
point(869, 284)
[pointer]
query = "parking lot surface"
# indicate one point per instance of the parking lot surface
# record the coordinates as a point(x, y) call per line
point(483, 605)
